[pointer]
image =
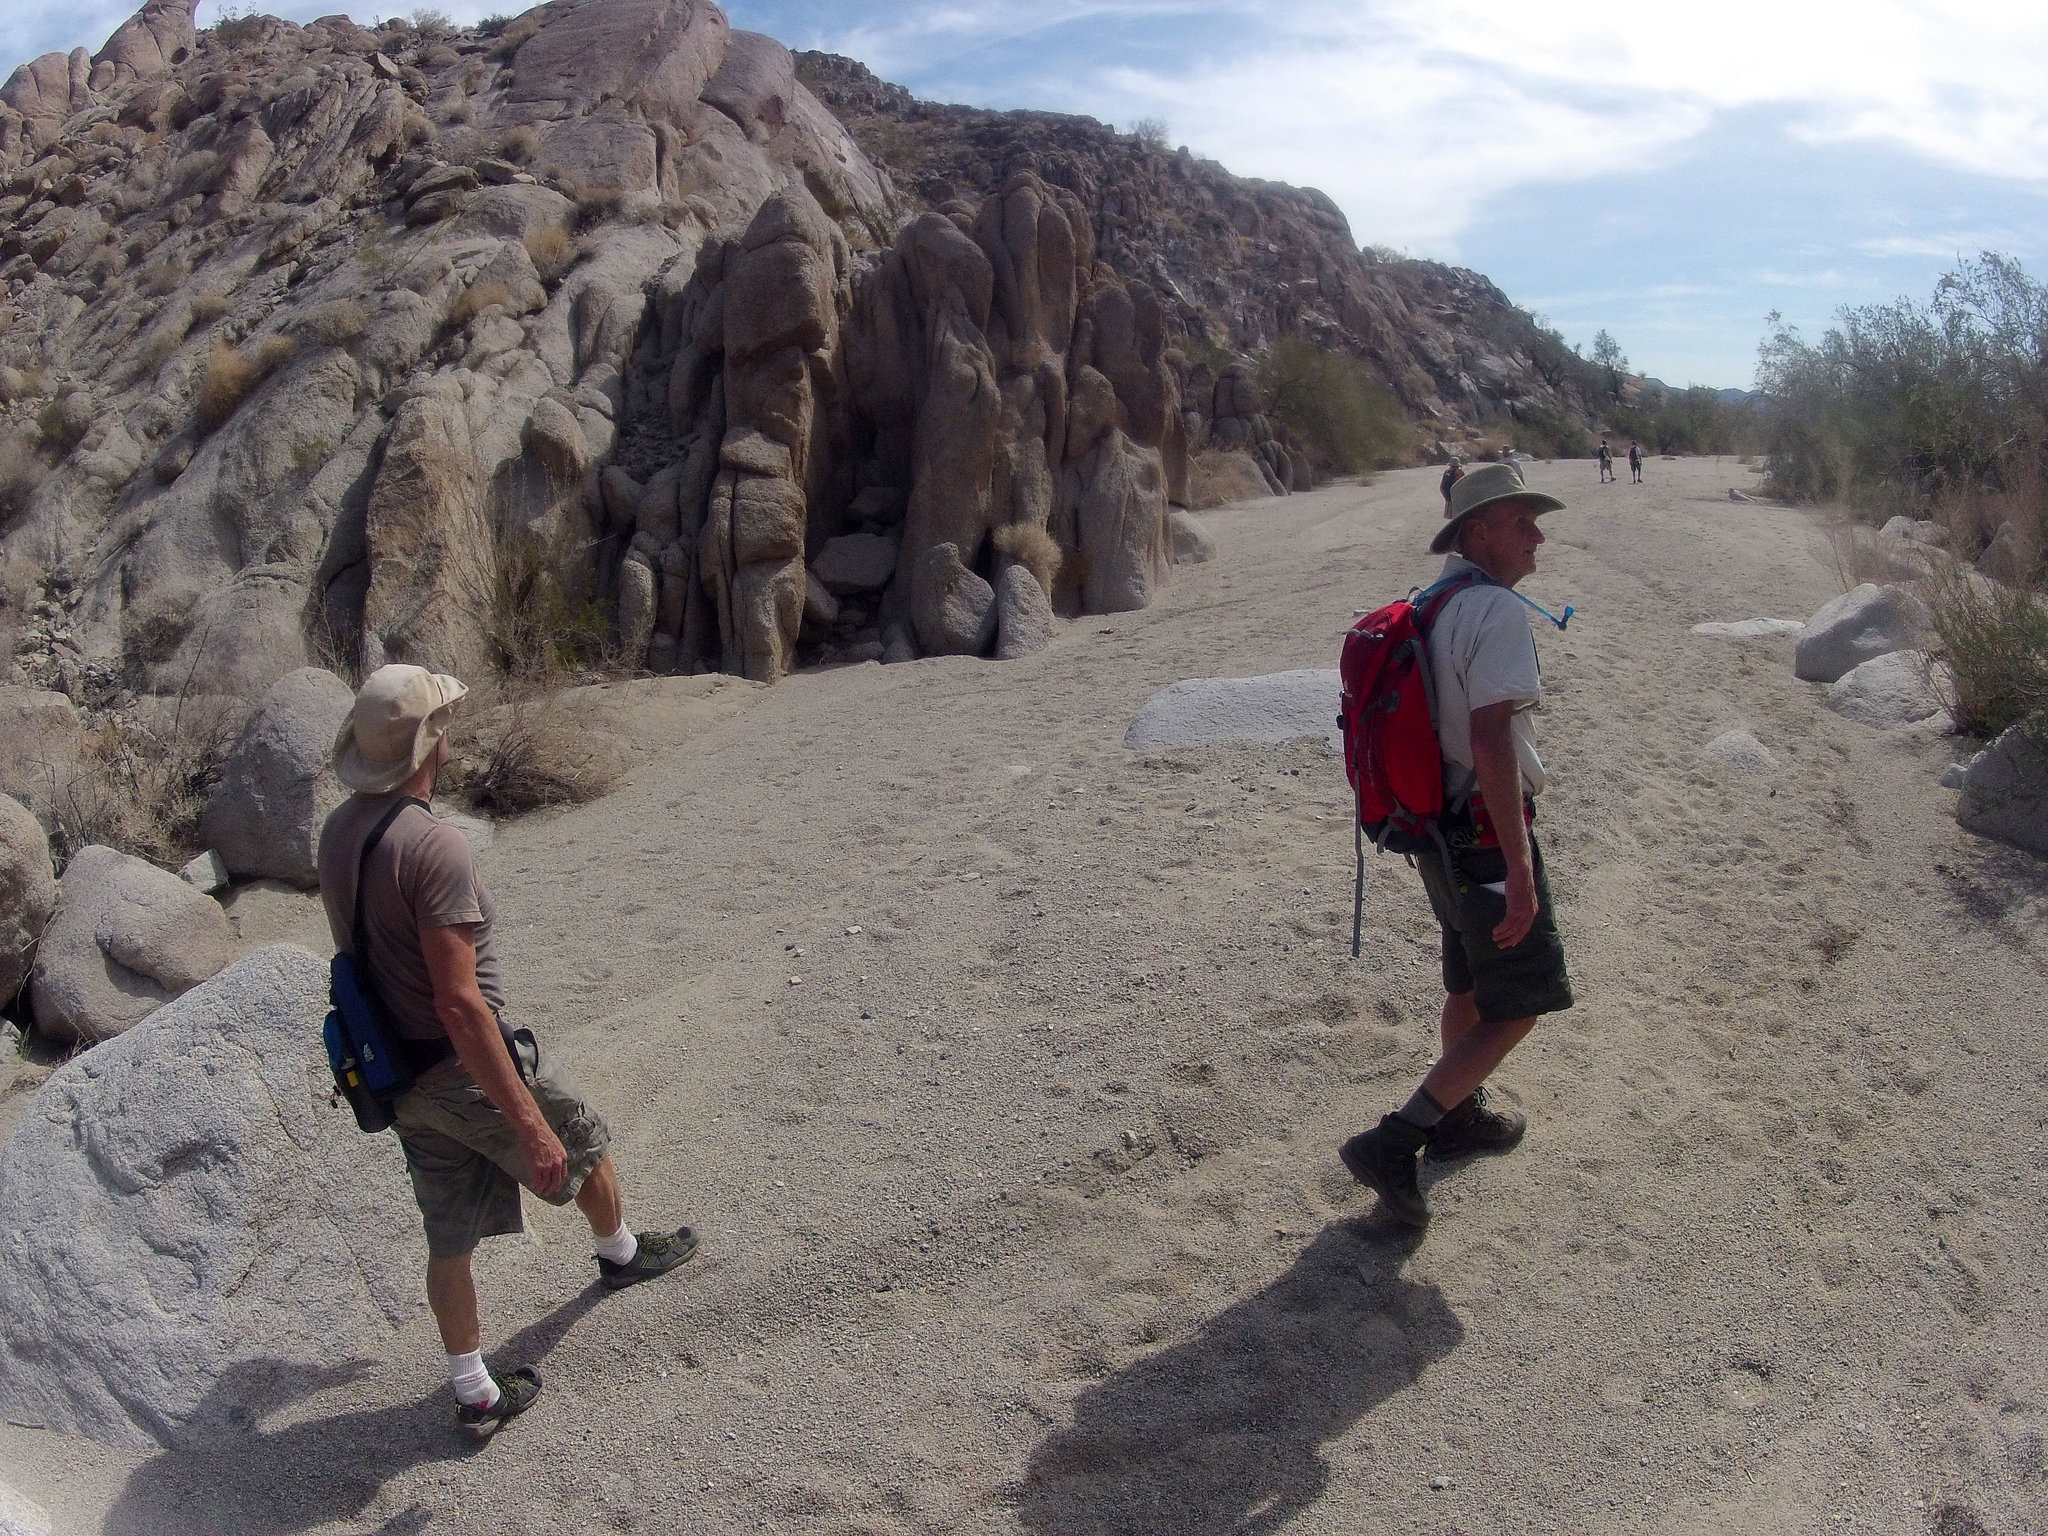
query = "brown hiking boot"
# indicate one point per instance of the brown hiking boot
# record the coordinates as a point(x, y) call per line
point(1384, 1158)
point(1474, 1125)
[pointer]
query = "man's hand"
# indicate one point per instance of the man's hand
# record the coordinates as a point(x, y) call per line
point(1521, 915)
point(473, 1030)
point(547, 1165)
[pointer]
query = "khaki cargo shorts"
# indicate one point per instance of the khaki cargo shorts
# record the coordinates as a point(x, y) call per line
point(464, 1156)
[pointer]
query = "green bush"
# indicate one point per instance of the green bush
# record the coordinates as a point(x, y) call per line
point(1995, 639)
point(1905, 407)
point(1334, 405)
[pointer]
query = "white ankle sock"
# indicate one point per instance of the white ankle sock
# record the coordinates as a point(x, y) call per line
point(472, 1383)
point(620, 1247)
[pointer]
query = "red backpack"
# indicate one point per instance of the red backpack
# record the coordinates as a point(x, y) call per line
point(1388, 716)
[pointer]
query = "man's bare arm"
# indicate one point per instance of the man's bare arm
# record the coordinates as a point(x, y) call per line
point(473, 1031)
point(1500, 783)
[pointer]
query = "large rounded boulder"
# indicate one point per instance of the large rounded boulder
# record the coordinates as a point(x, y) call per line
point(127, 938)
point(28, 894)
point(187, 1226)
point(264, 817)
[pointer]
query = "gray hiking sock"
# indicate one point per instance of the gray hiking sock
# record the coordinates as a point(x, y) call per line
point(1421, 1111)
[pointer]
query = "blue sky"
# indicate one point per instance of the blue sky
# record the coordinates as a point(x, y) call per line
point(1671, 177)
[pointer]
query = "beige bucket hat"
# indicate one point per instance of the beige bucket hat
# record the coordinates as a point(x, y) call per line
point(399, 713)
point(1483, 485)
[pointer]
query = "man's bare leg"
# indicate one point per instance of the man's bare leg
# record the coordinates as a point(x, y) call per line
point(451, 1293)
point(601, 1201)
point(1472, 1058)
point(1461, 1012)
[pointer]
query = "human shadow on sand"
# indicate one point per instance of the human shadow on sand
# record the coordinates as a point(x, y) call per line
point(275, 1483)
point(1223, 1433)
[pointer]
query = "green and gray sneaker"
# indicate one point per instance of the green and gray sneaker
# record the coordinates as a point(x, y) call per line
point(1473, 1125)
point(659, 1253)
point(516, 1391)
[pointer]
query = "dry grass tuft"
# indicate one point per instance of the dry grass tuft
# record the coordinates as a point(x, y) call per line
point(553, 253)
point(141, 790)
point(519, 145)
point(477, 298)
point(273, 352)
point(64, 420)
point(224, 383)
point(535, 754)
point(1034, 549)
point(208, 305)
point(1216, 479)
point(334, 323)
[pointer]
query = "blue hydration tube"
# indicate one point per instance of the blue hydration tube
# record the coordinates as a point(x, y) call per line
point(1560, 623)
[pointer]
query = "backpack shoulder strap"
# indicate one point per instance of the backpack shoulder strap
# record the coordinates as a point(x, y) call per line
point(1428, 602)
point(358, 935)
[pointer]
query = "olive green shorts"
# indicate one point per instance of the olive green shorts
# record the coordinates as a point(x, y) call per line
point(464, 1156)
point(1506, 984)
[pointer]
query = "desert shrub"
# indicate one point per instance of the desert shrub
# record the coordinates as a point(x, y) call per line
point(553, 252)
point(64, 420)
point(440, 56)
point(534, 754)
point(1150, 132)
point(1909, 407)
point(13, 385)
point(477, 298)
point(208, 305)
point(140, 789)
point(1335, 406)
point(224, 383)
point(1216, 479)
point(427, 19)
point(1995, 639)
point(273, 352)
point(1695, 420)
point(22, 470)
point(158, 347)
point(493, 25)
point(1550, 434)
point(595, 201)
point(460, 109)
point(538, 618)
point(238, 26)
point(1034, 549)
point(519, 145)
point(517, 31)
point(334, 323)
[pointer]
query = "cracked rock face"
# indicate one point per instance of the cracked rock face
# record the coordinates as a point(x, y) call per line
point(187, 1227)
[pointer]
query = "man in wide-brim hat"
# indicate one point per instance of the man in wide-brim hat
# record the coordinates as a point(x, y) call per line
point(1503, 964)
point(489, 1111)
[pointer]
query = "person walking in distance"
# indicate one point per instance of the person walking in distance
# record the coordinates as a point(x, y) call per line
point(1606, 457)
point(490, 1110)
point(1503, 963)
point(1453, 473)
point(1635, 463)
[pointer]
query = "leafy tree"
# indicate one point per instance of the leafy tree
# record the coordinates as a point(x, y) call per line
point(1335, 406)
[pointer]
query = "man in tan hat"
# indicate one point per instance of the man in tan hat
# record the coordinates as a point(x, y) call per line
point(1503, 965)
point(489, 1111)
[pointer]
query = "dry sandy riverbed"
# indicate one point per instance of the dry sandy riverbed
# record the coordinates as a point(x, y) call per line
point(1022, 1213)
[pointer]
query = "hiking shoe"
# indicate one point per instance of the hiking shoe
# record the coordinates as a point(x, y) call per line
point(1384, 1158)
point(516, 1391)
point(659, 1253)
point(1474, 1125)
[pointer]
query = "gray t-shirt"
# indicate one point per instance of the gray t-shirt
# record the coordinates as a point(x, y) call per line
point(419, 876)
point(1481, 652)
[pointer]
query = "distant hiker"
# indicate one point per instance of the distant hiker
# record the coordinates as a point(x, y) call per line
point(1606, 462)
point(1453, 473)
point(1503, 964)
point(1635, 464)
point(490, 1110)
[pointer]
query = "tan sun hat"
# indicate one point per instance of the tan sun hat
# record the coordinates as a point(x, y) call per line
point(1482, 486)
point(399, 713)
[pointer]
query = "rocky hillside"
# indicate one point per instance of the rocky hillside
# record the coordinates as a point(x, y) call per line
point(1235, 261)
point(337, 344)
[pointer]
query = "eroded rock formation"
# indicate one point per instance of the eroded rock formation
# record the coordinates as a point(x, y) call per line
point(329, 343)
